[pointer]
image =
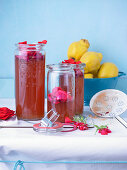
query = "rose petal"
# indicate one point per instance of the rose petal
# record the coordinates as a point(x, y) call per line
point(108, 130)
point(66, 61)
point(6, 113)
point(78, 62)
point(61, 95)
point(54, 90)
point(68, 120)
point(71, 61)
point(99, 131)
point(58, 95)
point(24, 42)
point(103, 132)
point(44, 42)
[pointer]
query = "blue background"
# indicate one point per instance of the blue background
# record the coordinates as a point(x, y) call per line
point(60, 22)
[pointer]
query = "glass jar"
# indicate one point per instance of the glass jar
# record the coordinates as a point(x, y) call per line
point(61, 90)
point(30, 81)
point(79, 87)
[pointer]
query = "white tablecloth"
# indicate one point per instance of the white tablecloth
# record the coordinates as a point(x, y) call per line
point(28, 145)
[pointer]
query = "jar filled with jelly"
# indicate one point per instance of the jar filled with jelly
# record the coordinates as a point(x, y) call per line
point(30, 80)
point(61, 90)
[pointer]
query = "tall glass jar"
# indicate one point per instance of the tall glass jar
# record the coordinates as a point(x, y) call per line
point(79, 87)
point(79, 84)
point(61, 90)
point(30, 81)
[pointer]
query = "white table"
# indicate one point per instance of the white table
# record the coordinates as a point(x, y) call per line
point(28, 145)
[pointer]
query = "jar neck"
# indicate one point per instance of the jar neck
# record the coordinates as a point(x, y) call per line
point(30, 47)
point(60, 67)
point(76, 66)
point(79, 66)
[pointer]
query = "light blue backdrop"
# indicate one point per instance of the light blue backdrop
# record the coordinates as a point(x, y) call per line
point(60, 22)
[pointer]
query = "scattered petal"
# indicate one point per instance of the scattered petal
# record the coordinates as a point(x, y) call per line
point(103, 132)
point(6, 113)
point(44, 42)
point(68, 120)
point(24, 42)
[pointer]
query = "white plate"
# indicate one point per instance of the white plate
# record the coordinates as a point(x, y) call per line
point(109, 103)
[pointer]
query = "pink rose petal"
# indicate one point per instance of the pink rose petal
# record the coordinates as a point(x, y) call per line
point(54, 90)
point(103, 132)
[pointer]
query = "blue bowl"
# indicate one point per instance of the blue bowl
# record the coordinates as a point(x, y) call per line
point(92, 86)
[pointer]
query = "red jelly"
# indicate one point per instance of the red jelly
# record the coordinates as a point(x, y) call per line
point(79, 84)
point(29, 81)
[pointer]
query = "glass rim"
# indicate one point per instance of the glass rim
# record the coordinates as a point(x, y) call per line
point(29, 45)
point(65, 66)
point(81, 65)
point(59, 66)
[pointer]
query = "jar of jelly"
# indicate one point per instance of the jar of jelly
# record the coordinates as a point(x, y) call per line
point(30, 80)
point(79, 84)
point(79, 88)
point(61, 90)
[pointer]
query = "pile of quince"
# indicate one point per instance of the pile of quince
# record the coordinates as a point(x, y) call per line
point(94, 69)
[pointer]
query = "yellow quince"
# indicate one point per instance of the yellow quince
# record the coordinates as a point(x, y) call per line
point(88, 76)
point(108, 70)
point(92, 61)
point(77, 49)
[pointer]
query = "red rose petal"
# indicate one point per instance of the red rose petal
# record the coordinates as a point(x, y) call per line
point(108, 130)
point(99, 131)
point(24, 42)
point(81, 128)
point(58, 95)
point(6, 113)
point(44, 42)
point(31, 48)
point(32, 45)
point(66, 61)
point(61, 95)
point(78, 62)
point(71, 61)
point(54, 90)
point(68, 120)
point(103, 132)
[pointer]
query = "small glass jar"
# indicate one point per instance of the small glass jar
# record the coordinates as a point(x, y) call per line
point(30, 81)
point(61, 90)
point(79, 87)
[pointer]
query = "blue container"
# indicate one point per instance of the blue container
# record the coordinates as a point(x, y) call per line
point(92, 86)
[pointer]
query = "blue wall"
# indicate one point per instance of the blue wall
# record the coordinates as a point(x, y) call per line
point(102, 22)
